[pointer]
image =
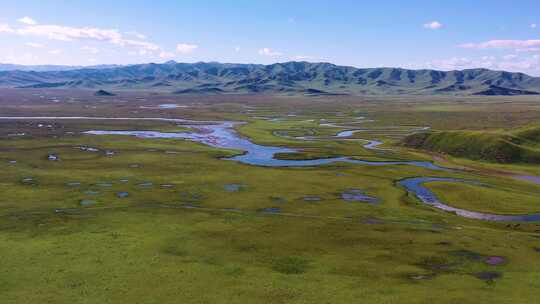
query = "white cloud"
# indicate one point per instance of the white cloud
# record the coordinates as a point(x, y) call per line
point(454, 63)
point(5, 28)
point(502, 44)
point(533, 25)
point(237, 49)
point(143, 44)
point(530, 65)
point(186, 48)
point(55, 52)
point(27, 20)
point(433, 25)
point(525, 50)
point(67, 33)
point(269, 52)
point(35, 45)
point(302, 57)
point(90, 49)
point(509, 57)
point(165, 55)
point(137, 34)
point(26, 59)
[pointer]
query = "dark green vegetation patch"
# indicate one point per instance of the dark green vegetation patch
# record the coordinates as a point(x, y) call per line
point(515, 146)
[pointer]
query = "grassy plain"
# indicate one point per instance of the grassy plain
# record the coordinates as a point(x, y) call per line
point(182, 236)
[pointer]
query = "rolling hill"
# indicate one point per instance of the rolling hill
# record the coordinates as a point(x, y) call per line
point(515, 146)
point(281, 78)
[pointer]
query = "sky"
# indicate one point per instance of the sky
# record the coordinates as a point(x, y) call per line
point(446, 35)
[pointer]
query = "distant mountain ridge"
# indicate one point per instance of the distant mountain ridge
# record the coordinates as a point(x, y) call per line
point(279, 78)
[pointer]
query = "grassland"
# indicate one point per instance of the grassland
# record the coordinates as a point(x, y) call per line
point(499, 199)
point(182, 236)
point(502, 146)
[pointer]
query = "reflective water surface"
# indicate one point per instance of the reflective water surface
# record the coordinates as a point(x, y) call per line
point(223, 135)
point(416, 185)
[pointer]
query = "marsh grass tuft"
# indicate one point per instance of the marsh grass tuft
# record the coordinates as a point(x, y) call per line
point(290, 265)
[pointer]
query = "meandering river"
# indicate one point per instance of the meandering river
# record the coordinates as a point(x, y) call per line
point(223, 135)
point(417, 186)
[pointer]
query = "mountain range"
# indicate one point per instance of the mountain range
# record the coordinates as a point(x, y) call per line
point(279, 78)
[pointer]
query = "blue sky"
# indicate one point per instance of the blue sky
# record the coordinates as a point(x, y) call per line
point(444, 35)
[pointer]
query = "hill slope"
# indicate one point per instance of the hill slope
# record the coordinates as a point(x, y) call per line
point(520, 145)
point(288, 77)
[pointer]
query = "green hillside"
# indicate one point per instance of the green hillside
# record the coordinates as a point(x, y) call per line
point(514, 146)
point(281, 78)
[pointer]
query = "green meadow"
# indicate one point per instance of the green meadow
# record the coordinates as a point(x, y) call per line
point(170, 221)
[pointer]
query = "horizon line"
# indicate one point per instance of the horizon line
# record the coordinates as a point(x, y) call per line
point(114, 65)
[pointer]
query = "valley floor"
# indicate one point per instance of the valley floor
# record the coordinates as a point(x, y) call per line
point(122, 219)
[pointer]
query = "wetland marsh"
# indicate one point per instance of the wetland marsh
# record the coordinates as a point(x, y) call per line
point(209, 195)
